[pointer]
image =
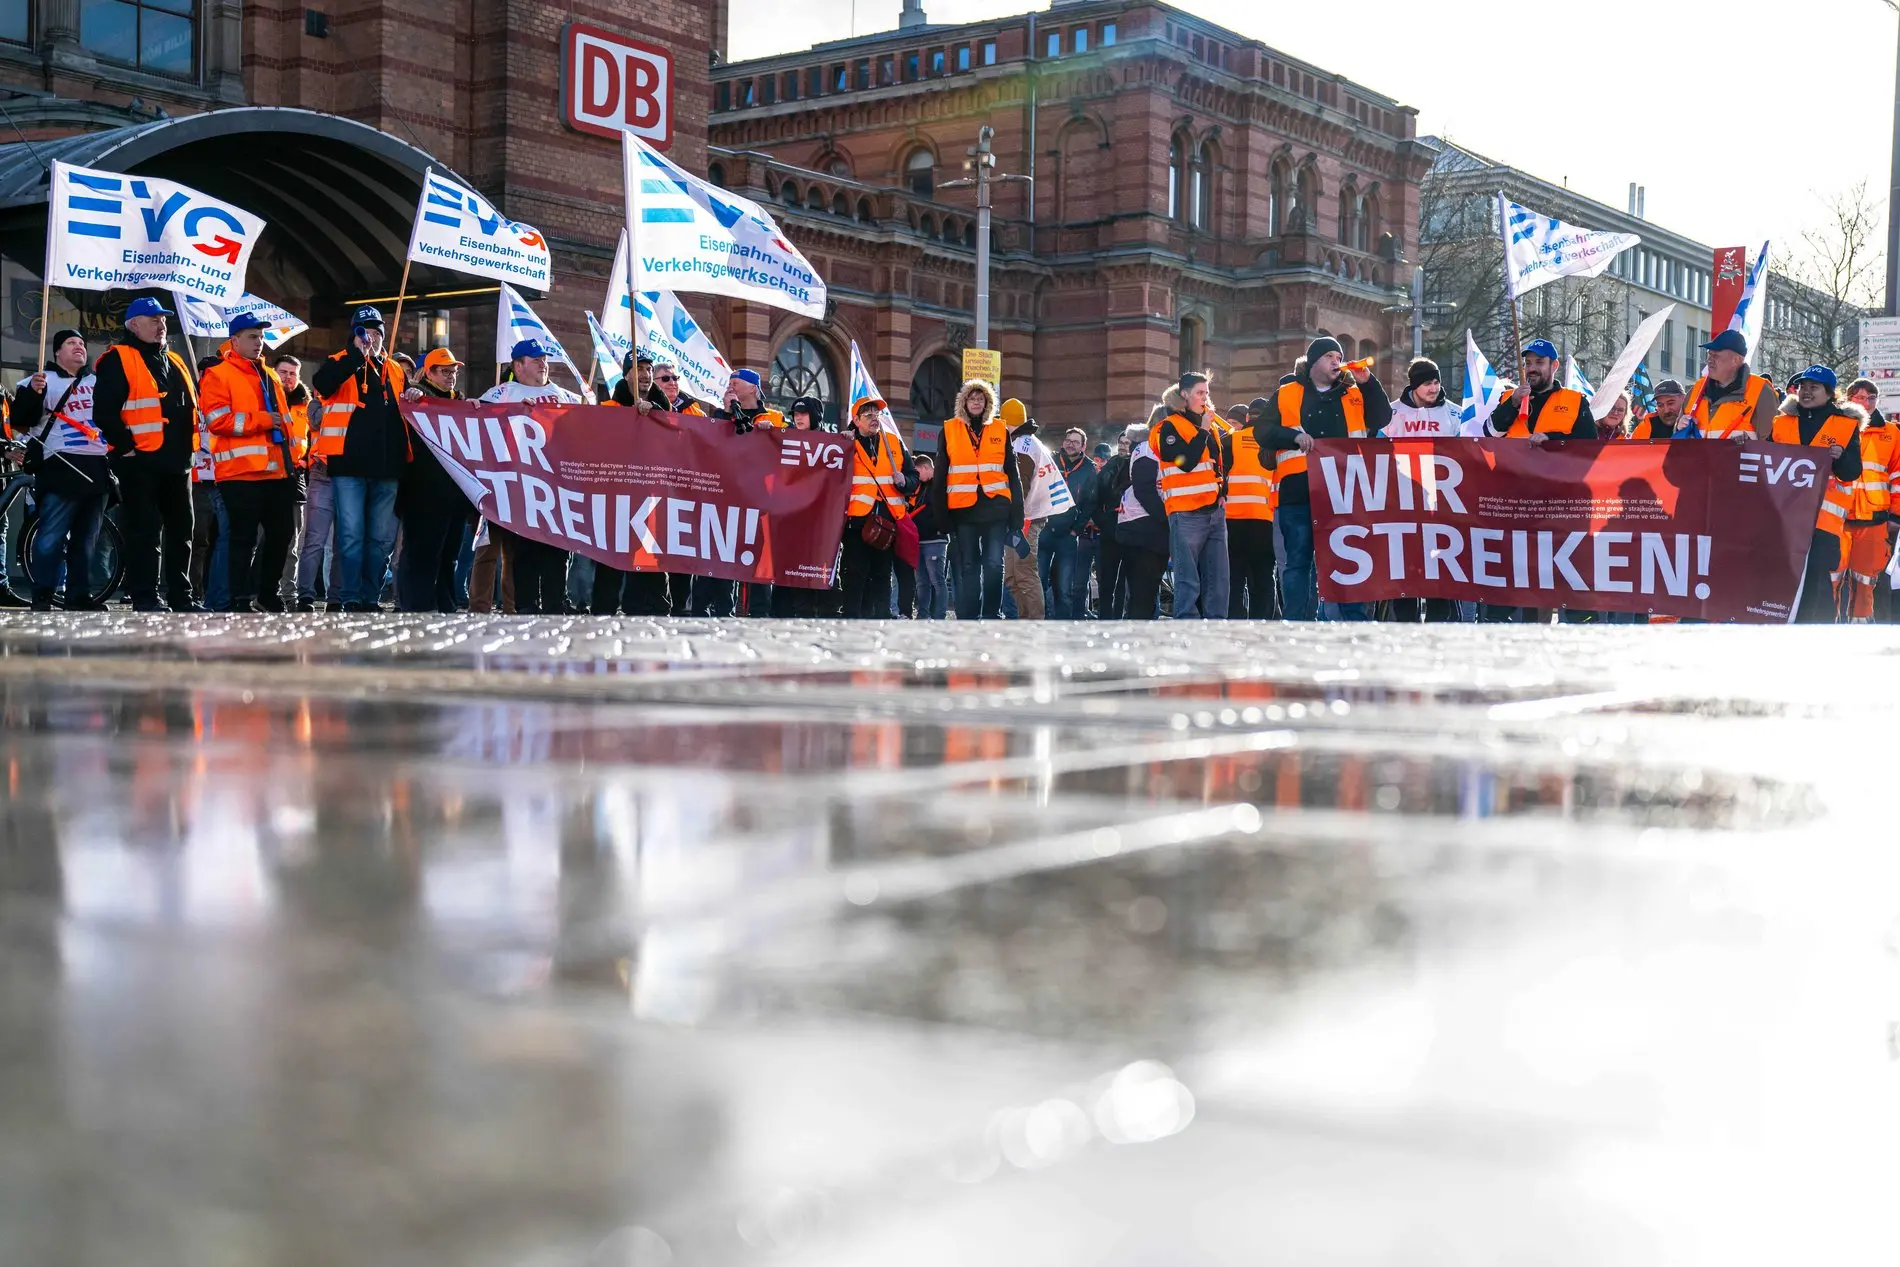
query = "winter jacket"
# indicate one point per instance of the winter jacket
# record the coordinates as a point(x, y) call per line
point(1081, 477)
point(1847, 466)
point(1150, 532)
point(427, 484)
point(1322, 417)
point(1413, 421)
point(173, 457)
point(376, 447)
point(988, 510)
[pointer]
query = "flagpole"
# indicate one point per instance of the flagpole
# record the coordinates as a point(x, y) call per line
point(402, 293)
point(46, 308)
point(46, 273)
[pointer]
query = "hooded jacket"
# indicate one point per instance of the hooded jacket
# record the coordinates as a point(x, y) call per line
point(988, 510)
point(1323, 418)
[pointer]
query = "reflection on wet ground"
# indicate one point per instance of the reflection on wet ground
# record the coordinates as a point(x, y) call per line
point(416, 940)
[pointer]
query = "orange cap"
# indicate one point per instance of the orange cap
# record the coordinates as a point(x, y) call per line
point(439, 357)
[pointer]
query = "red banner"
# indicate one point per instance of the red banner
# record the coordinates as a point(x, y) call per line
point(658, 492)
point(1700, 528)
point(1725, 292)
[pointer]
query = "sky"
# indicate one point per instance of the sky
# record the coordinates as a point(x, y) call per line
point(1682, 98)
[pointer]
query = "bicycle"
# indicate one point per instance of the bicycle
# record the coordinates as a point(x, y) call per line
point(108, 568)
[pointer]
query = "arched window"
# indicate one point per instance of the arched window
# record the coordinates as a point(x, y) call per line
point(920, 173)
point(1177, 178)
point(1191, 333)
point(788, 193)
point(864, 210)
point(1083, 176)
point(1348, 201)
point(1201, 187)
point(1369, 217)
point(933, 388)
point(815, 199)
point(1279, 194)
point(836, 165)
point(840, 205)
point(801, 368)
point(929, 226)
point(716, 173)
point(969, 236)
point(1305, 201)
point(1361, 232)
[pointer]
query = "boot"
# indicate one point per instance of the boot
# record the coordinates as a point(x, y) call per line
point(42, 599)
point(271, 603)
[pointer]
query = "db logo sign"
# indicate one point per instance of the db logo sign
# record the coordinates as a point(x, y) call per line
point(1760, 468)
point(795, 450)
point(611, 84)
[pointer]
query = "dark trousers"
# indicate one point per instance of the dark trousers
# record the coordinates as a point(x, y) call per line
point(906, 589)
point(793, 602)
point(155, 523)
point(867, 578)
point(1251, 591)
point(635, 593)
point(255, 508)
point(1144, 568)
point(1437, 610)
point(540, 577)
point(1111, 579)
point(431, 542)
point(1817, 582)
point(976, 553)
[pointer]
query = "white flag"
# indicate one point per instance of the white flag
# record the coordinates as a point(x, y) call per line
point(516, 321)
point(1483, 391)
point(862, 388)
point(689, 235)
point(665, 331)
point(1539, 249)
point(107, 230)
point(1575, 381)
point(1754, 302)
point(458, 229)
point(203, 320)
point(1627, 360)
point(609, 349)
point(616, 311)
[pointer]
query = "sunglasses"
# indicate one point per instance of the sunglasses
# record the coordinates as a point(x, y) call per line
point(666, 378)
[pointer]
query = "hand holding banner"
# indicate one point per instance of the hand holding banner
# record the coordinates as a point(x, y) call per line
point(657, 492)
point(106, 230)
point(1716, 532)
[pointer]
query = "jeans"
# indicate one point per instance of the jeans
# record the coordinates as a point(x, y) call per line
point(65, 544)
point(931, 595)
point(218, 570)
point(1056, 559)
point(1197, 544)
point(319, 523)
point(464, 563)
point(580, 583)
point(1299, 594)
point(365, 536)
point(979, 569)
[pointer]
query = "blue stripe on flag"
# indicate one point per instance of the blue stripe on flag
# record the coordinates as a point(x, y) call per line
point(105, 184)
point(654, 185)
point(454, 222)
point(87, 229)
point(666, 215)
point(93, 204)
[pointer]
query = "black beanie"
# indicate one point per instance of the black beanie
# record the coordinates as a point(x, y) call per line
point(53, 345)
point(1423, 370)
point(1321, 346)
point(1260, 407)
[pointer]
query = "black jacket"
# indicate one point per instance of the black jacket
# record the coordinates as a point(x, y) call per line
point(1151, 531)
point(1110, 483)
point(377, 445)
point(426, 485)
point(1810, 421)
point(1323, 418)
point(175, 401)
point(931, 525)
point(1505, 415)
point(1081, 477)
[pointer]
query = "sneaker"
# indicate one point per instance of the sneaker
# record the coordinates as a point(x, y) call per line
point(271, 603)
point(9, 599)
point(242, 607)
point(42, 600)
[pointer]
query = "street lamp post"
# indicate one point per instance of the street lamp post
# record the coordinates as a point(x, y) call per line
point(982, 162)
point(1893, 191)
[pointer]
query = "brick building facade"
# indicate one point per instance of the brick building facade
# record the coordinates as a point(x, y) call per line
point(1199, 200)
point(473, 87)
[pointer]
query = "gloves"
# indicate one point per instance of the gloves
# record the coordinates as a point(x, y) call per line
point(1020, 544)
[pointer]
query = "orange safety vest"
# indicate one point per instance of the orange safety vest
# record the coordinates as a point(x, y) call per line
point(975, 463)
point(1251, 490)
point(771, 418)
point(1560, 413)
point(299, 418)
point(338, 409)
point(1873, 495)
point(872, 479)
point(1290, 397)
point(1199, 486)
point(144, 414)
point(240, 421)
point(1839, 498)
point(1646, 430)
point(1735, 413)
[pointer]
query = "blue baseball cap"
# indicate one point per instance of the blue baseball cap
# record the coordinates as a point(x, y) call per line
point(748, 376)
point(530, 347)
point(1815, 374)
point(1541, 347)
point(247, 321)
point(1728, 341)
point(367, 316)
point(146, 307)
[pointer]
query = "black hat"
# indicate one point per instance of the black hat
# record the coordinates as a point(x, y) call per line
point(1668, 387)
point(1261, 405)
point(1101, 451)
point(1321, 346)
point(59, 338)
point(811, 405)
point(1423, 370)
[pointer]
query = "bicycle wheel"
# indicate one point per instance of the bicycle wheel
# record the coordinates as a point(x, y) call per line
point(108, 568)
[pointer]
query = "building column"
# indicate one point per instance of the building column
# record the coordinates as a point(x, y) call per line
point(890, 358)
point(751, 335)
point(1143, 346)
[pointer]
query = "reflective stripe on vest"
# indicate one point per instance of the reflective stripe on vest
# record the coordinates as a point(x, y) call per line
point(1290, 398)
point(1732, 414)
point(1250, 486)
point(143, 412)
point(975, 466)
point(1561, 410)
point(868, 477)
point(334, 430)
point(1839, 498)
point(1200, 485)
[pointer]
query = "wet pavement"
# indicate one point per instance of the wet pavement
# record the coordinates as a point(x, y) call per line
point(513, 943)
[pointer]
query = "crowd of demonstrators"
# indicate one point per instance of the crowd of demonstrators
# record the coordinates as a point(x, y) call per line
point(248, 484)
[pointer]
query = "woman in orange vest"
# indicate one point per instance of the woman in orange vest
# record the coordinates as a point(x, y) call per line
point(245, 411)
point(982, 499)
point(1870, 522)
point(1811, 417)
point(882, 479)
